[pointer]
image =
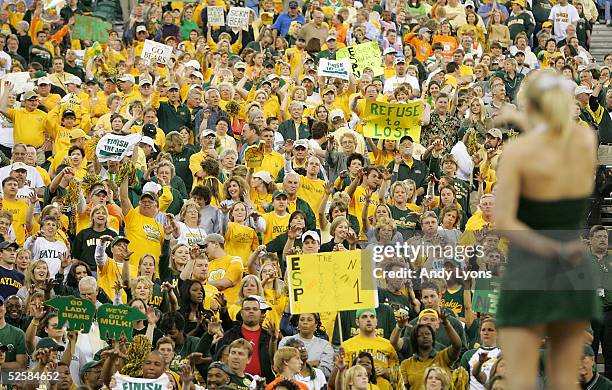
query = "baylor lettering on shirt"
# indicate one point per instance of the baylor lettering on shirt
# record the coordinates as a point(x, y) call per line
point(10, 281)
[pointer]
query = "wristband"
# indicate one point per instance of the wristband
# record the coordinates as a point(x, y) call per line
point(34, 322)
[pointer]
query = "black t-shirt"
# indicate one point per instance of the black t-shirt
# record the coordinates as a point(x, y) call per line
point(84, 245)
point(241, 383)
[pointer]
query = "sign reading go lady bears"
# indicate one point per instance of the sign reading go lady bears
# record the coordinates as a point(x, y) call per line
point(331, 281)
point(392, 120)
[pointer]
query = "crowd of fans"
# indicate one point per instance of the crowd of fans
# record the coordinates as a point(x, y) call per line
point(182, 230)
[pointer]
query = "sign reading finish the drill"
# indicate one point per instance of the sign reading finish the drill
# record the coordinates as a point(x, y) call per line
point(332, 281)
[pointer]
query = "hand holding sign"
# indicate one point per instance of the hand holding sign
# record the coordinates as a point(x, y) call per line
point(77, 312)
point(156, 53)
point(90, 28)
point(238, 17)
point(116, 321)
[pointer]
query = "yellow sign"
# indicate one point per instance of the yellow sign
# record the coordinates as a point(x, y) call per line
point(364, 55)
point(393, 121)
point(332, 281)
point(253, 155)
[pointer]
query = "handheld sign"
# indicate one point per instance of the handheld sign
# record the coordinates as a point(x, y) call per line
point(486, 295)
point(215, 14)
point(332, 281)
point(155, 52)
point(90, 28)
point(331, 68)
point(393, 121)
point(113, 147)
point(364, 55)
point(253, 155)
point(117, 320)
point(77, 312)
point(238, 17)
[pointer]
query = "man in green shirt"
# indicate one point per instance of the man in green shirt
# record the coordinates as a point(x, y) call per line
point(173, 114)
point(16, 357)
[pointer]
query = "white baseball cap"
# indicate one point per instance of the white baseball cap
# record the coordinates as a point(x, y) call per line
point(193, 63)
point(149, 141)
point(337, 113)
point(264, 176)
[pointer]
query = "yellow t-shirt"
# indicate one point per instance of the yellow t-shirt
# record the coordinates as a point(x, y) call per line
point(272, 162)
point(381, 350)
point(228, 267)
point(312, 191)
point(258, 199)
point(146, 236)
point(108, 275)
point(29, 127)
point(275, 225)
point(412, 369)
point(19, 209)
point(240, 241)
point(358, 203)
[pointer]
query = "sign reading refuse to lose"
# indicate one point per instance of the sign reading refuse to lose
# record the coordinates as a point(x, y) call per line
point(393, 121)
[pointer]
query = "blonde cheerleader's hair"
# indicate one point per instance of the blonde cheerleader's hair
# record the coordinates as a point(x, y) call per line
point(552, 98)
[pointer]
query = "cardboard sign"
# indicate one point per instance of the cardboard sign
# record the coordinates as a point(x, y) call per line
point(118, 320)
point(253, 156)
point(21, 81)
point(77, 312)
point(364, 55)
point(332, 281)
point(486, 295)
point(155, 52)
point(216, 15)
point(238, 17)
point(90, 28)
point(113, 147)
point(331, 68)
point(393, 121)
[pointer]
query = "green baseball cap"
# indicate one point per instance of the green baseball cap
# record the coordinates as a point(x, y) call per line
point(361, 312)
point(87, 366)
point(278, 193)
point(119, 239)
point(588, 350)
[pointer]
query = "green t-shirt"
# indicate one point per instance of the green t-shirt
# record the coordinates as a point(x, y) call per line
point(240, 382)
point(9, 335)
point(405, 222)
point(454, 302)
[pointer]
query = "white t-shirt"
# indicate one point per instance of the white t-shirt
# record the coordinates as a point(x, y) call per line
point(394, 81)
point(48, 251)
point(492, 353)
point(562, 16)
point(190, 236)
point(34, 178)
point(316, 383)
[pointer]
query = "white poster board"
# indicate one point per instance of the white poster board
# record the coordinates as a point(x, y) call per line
point(21, 81)
point(216, 15)
point(332, 68)
point(238, 17)
point(156, 53)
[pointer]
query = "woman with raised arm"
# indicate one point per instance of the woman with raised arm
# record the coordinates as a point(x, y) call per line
point(547, 286)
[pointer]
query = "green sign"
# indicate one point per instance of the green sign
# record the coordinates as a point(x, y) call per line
point(77, 312)
point(91, 29)
point(114, 321)
point(486, 295)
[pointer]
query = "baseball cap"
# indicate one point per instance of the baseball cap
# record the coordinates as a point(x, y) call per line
point(278, 193)
point(547, 24)
point(193, 63)
point(221, 366)
point(214, 237)
point(582, 89)
point(87, 366)
point(151, 187)
point(308, 59)
point(98, 190)
point(311, 234)
point(495, 133)
point(273, 76)
point(92, 80)
point(389, 50)
point(127, 77)
point(144, 80)
point(119, 239)
point(29, 95)
point(399, 60)
point(68, 113)
point(149, 141)
point(425, 312)
point(170, 37)
point(197, 74)
point(293, 4)
point(78, 133)
point(331, 38)
point(469, 3)
point(73, 80)
point(141, 28)
point(240, 65)
point(300, 143)
point(8, 244)
point(48, 342)
point(262, 302)
point(173, 86)
point(43, 80)
point(361, 312)
point(208, 132)
point(588, 350)
point(423, 30)
point(337, 113)
point(328, 90)
point(263, 176)
point(19, 165)
point(307, 77)
point(521, 3)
